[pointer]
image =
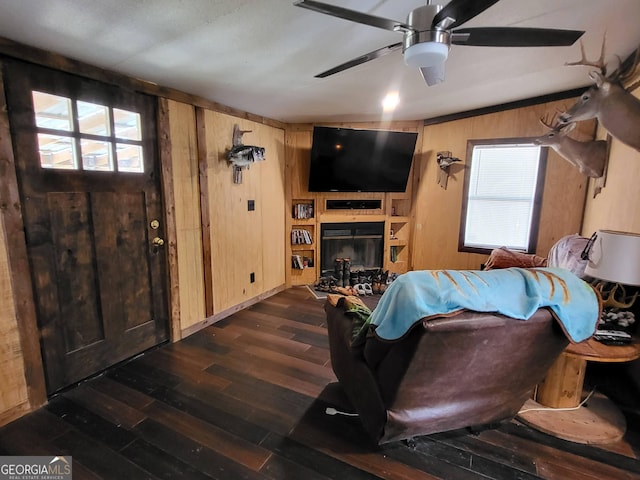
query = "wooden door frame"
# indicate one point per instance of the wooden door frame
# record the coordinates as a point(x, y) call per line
point(165, 161)
point(22, 284)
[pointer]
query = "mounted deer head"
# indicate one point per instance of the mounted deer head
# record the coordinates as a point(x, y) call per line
point(617, 110)
point(589, 157)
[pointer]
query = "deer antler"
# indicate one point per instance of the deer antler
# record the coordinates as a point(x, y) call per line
point(608, 297)
point(545, 121)
point(598, 63)
point(551, 125)
point(633, 86)
point(555, 124)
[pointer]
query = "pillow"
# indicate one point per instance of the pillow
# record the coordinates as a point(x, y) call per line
point(566, 253)
point(504, 258)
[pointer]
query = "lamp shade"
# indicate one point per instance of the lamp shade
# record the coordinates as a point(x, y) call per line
point(615, 257)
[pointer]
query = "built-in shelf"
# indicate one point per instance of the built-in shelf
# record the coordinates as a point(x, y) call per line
point(399, 221)
point(302, 247)
point(303, 241)
point(397, 242)
point(304, 221)
point(400, 207)
point(303, 210)
point(395, 212)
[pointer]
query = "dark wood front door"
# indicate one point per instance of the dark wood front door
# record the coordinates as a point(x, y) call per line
point(90, 189)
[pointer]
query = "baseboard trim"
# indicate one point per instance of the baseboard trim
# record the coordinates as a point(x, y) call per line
point(14, 413)
point(230, 311)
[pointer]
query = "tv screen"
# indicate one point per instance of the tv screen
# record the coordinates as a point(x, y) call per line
point(348, 160)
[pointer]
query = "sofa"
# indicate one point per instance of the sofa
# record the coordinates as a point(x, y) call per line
point(448, 372)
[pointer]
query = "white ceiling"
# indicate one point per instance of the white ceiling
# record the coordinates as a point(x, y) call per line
point(261, 56)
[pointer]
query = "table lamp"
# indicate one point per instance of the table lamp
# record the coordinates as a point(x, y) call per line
point(614, 257)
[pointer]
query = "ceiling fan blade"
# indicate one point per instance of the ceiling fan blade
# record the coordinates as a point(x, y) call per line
point(461, 11)
point(514, 37)
point(433, 75)
point(362, 59)
point(351, 15)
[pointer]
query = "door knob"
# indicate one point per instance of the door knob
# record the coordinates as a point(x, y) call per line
point(158, 241)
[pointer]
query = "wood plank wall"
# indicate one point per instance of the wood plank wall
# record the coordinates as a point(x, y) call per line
point(22, 385)
point(14, 399)
point(243, 241)
point(437, 211)
point(186, 204)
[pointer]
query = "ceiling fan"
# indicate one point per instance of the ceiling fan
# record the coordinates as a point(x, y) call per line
point(428, 34)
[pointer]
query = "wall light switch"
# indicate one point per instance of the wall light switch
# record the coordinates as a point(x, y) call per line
point(251, 205)
point(252, 277)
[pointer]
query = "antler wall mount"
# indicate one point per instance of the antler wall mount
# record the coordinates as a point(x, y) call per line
point(589, 157)
point(615, 107)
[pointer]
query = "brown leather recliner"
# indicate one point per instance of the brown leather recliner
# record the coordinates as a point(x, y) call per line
point(467, 370)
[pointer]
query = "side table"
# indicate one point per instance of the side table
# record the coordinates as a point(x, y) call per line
point(599, 420)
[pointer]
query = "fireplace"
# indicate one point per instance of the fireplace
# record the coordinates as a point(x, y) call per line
point(361, 242)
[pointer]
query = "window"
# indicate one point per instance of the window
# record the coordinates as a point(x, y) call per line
point(502, 194)
point(77, 135)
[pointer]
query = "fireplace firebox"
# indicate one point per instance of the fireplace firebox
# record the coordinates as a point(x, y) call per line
point(361, 242)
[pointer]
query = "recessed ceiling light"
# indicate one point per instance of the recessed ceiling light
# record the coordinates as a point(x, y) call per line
point(390, 101)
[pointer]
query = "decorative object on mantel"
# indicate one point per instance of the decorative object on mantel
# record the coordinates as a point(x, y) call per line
point(242, 155)
point(613, 259)
point(445, 160)
point(615, 107)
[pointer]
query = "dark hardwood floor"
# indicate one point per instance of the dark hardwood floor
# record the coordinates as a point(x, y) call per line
point(246, 398)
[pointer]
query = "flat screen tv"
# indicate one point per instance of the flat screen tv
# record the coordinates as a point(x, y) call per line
point(348, 160)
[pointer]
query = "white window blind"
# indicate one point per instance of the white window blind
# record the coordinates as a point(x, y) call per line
point(501, 194)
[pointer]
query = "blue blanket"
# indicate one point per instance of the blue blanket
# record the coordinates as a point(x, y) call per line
point(515, 292)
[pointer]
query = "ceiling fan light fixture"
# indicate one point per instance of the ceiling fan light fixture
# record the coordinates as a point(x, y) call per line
point(426, 54)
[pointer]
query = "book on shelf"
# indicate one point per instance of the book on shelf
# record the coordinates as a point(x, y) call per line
point(299, 262)
point(303, 210)
point(296, 262)
point(300, 236)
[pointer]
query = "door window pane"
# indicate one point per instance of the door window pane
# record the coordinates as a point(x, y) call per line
point(93, 119)
point(129, 158)
point(52, 111)
point(56, 152)
point(96, 155)
point(100, 130)
point(127, 124)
